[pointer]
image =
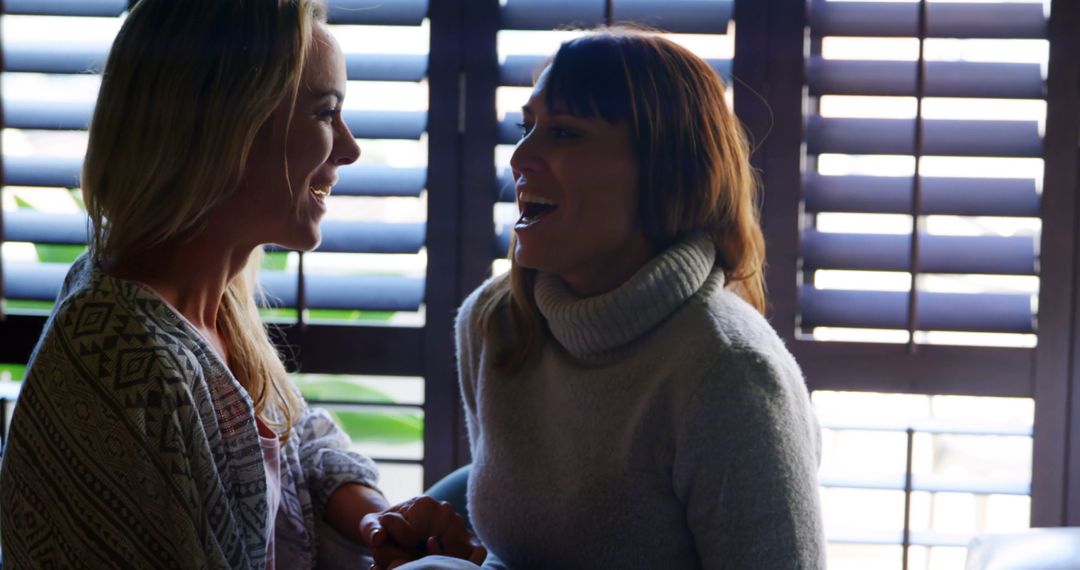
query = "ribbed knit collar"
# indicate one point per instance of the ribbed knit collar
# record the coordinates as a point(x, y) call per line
point(590, 327)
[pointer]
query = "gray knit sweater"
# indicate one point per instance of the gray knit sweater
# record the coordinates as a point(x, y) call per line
point(664, 425)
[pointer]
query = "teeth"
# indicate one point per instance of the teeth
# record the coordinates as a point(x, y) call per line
point(534, 199)
point(322, 190)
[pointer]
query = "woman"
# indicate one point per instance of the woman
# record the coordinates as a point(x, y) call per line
point(157, 427)
point(627, 404)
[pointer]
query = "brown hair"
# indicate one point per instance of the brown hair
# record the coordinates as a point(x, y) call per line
point(692, 155)
point(184, 92)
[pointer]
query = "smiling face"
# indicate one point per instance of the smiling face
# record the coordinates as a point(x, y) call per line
point(293, 162)
point(577, 193)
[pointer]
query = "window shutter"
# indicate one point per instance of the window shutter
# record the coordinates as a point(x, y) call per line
point(904, 250)
point(920, 196)
point(40, 280)
point(985, 254)
point(700, 24)
point(370, 270)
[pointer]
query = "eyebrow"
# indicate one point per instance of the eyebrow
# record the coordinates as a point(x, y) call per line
point(340, 96)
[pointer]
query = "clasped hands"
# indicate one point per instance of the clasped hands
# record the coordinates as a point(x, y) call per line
point(416, 528)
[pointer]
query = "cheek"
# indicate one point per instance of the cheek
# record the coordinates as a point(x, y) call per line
point(608, 195)
point(308, 149)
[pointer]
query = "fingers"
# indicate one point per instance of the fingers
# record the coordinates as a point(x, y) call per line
point(371, 531)
point(441, 518)
point(434, 545)
point(479, 554)
point(401, 532)
point(389, 565)
point(386, 556)
point(428, 514)
point(419, 527)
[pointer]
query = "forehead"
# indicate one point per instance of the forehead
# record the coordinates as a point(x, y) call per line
point(536, 98)
point(325, 64)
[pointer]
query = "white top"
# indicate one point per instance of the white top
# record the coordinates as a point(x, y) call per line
point(271, 449)
point(664, 425)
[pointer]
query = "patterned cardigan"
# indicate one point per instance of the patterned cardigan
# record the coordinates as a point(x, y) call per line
point(132, 445)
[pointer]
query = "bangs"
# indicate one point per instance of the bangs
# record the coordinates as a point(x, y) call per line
point(588, 78)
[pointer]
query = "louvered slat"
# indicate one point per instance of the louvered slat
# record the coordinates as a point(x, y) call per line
point(42, 227)
point(385, 67)
point(349, 236)
point(90, 58)
point(342, 236)
point(518, 70)
point(944, 20)
point(365, 12)
point(76, 115)
point(378, 180)
point(940, 196)
point(942, 137)
point(382, 13)
point(943, 78)
point(347, 292)
point(935, 426)
point(355, 179)
point(896, 538)
point(93, 8)
point(41, 282)
point(680, 16)
point(928, 483)
point(54, 171)
point(44, 58)
point(64, 116)
point(987, 312)
point(989, 255)
point(366, 124)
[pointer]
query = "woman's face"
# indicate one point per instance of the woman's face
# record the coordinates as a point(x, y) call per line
point(281, 198)
point(577, 194)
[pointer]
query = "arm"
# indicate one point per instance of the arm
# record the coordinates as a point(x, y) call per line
point(746, 467)
point(91, 449)
point(343, 483)
point(468, 349)
point(349, 505)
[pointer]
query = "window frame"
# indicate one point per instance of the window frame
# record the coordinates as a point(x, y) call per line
point(463, 74)
point(770, 63)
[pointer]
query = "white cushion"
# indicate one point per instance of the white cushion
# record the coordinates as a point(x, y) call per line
point(1034, 549)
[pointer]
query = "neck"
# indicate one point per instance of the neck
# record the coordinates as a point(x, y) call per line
point(598, 278)
point(191, 276)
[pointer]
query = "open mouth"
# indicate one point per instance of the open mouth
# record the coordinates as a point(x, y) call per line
point(321, 191)
point(534, 208)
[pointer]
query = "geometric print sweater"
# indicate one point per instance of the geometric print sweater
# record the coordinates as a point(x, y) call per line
point(132, 445)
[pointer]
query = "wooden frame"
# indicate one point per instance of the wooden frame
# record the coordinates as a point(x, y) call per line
point(769, 75)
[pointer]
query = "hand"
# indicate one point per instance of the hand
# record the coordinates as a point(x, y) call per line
point(416, 528)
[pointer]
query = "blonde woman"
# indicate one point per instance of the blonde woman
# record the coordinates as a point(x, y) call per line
point(628, 406)
point(157, 427)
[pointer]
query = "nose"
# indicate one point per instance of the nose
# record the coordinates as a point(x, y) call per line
point(345, 150)
point(526, 157)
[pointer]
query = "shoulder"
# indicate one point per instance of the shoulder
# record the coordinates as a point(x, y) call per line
point(480, 302)
point(745, 352)
point(114, 331)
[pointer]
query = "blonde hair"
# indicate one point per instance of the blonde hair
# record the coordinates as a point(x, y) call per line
point(185, 90)
point(693, 163)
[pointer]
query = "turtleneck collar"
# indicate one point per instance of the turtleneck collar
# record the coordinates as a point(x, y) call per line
point(589, 328)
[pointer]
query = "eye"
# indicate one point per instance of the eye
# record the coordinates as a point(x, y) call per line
point(328, 115)
point(525, 128)
point(564, 133)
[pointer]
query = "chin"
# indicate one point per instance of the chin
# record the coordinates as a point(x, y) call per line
point(527, 259)
point(303, 243)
